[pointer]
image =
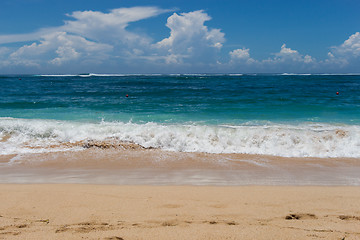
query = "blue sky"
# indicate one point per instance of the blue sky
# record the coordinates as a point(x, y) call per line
point(135, 36)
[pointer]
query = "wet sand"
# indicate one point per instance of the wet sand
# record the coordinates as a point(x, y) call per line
point(75, 211)
point(136, 166)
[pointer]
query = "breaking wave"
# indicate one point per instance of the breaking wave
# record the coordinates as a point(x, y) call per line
point(19, 136)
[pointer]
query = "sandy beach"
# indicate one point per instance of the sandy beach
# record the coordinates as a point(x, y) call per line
point(75, 211)
point(132, 193)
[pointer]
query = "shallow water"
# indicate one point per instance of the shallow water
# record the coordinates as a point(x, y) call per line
point(158, 167)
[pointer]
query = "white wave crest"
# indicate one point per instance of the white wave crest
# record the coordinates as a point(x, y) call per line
point(305, 140)
point(56, 75)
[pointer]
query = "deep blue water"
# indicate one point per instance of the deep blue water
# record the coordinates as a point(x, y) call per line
point(207, 99)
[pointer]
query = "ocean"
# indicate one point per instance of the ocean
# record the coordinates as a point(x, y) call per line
point(281, 115)
point(222, 117)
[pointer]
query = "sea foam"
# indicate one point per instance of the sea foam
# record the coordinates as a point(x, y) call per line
point(304, 140)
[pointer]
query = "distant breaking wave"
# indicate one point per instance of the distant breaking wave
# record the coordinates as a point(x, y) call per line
point(319, 74)
point(129, 74)
point(83, 75)
point(18, 136)
point(195, 74)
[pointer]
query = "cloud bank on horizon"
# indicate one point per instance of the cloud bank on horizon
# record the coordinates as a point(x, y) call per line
point(94, 41)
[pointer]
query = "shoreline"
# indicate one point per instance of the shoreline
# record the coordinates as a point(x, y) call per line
point(74, 211)
point(157, 167)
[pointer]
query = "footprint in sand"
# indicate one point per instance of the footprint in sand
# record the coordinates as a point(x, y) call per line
point(170, 223)
point(347, 217)
point(230, 223)
point(85, 227)
point(299, 216)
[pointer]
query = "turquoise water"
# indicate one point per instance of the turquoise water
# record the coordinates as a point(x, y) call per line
point(196, 113)
point(213, 99)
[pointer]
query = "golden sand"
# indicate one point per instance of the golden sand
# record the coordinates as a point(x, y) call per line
point(178, 212)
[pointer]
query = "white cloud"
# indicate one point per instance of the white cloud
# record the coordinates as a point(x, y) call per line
point(65, 53)
point(111, 27)
point(91, 37)
point(190, 38)
point(286, 60)
point(94, 37)
point(58, 48)
point(241, 56)
point(13, 38)
point(350, 48)
point(287, 51)
point(289, 55)
point(342, 58)
point(308, 59)
point(346, 55)
point(94, 25)
point(99, 39)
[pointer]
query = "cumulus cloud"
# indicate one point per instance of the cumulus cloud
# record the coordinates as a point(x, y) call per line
point(60, 47)
point(286, 59)
point(345, 56)
point(289, 55)
point(190, 38)
point(91, 37)
point(342, 58)
point(94, 38)
point(241, 56)
point(350, 48)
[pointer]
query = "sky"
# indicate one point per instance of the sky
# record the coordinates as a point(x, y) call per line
point(168, 36)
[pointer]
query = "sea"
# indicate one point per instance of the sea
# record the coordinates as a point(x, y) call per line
point(278, 115)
